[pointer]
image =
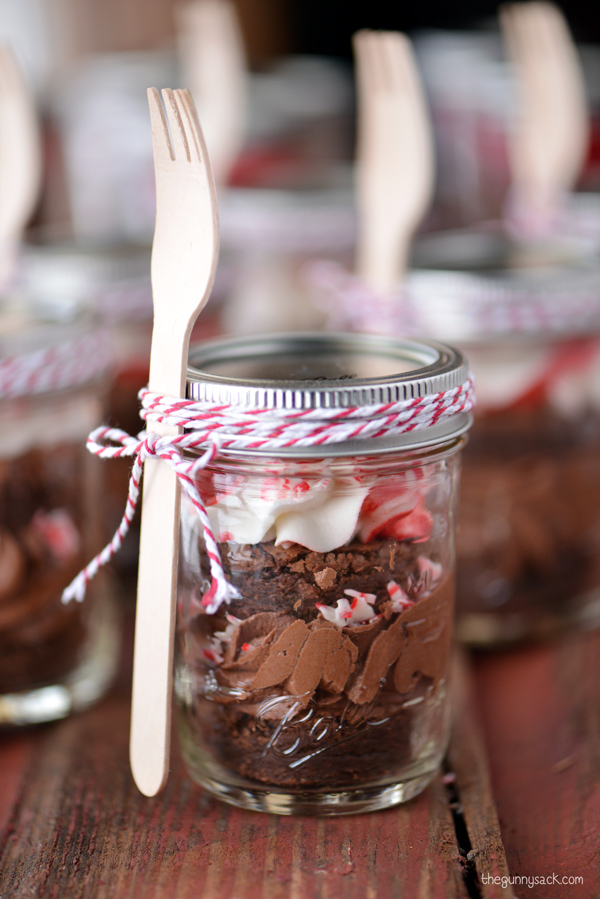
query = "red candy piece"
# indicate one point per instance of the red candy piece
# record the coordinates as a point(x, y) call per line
point(393, 511)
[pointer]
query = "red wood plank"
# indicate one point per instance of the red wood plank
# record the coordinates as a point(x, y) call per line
point(80, 828)
point(76, 826)
point(469, 772)
point(15, 755)
point(541, 709)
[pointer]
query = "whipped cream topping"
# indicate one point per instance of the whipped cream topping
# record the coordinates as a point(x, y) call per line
point(321, 515)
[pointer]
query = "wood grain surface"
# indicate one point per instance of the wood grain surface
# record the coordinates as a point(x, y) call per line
point(541, 711)
point(74, 826)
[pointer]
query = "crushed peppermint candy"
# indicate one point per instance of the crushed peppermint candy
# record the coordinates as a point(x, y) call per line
point(58, 532)
point(400, 600)
point(430, 572)
point(219, 640)
point(350, 613)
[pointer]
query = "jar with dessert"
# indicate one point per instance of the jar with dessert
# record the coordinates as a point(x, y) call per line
point(527, 314)
point(56, 656)
point(316, 589)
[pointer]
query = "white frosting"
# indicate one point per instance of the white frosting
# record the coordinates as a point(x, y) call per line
point(321, 516)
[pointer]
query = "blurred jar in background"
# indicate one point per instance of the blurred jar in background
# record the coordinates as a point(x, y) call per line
point(102, 112)
point(472, 94)
point(266, 238)
point(55, 657)
point(528, 318)
point(290, 194)
point(114, 280)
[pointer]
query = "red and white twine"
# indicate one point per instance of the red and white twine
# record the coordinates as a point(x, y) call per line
point(68, 364)
point(213, 428)
point(460, 305)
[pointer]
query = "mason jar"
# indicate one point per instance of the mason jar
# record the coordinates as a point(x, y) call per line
point(55, 657)
point(527, 315)
point(266, 236)
point(324, 686)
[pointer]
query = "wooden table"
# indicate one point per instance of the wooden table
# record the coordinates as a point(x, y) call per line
point(72, 823)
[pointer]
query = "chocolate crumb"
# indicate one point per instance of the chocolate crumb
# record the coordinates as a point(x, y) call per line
point(325, 578)
point(392, 557)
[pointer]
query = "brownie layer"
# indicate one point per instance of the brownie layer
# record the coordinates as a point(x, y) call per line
point(285, 697)
point(41, 550)
point(528, 537)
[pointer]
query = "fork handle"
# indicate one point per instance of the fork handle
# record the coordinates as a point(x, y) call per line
point(381, 255)
point(150, 738)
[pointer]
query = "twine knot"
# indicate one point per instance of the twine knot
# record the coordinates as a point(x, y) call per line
point(113, 443)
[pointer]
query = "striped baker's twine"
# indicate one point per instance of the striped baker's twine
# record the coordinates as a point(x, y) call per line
point(458, 304)
point(55, 368)
point(213, 428)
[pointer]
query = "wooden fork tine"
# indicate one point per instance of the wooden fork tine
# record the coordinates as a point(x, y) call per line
point(534, 22)
point(161, 142)
point(369, 70)
point(191, 125)
point(12, 73)
point(361, 42)
point(179, 141)
point(401, 65)
point(558, 37)
point(388, 56)
point(379, 61)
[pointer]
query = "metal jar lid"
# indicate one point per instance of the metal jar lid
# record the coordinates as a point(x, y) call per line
point(330, 371)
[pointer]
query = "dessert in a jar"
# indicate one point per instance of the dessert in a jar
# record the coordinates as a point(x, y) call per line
point(266, 237)
point(55, 656)
point(114, 279)
point(528, 540)
point(318, 681)
point(528, 317)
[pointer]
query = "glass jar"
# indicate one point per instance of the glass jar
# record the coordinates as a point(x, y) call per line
point(55, 657)
point(324, 688)
point(528, 541)
point(527, 314)
point(266, 237)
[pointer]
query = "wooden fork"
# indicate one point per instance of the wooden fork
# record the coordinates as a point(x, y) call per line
point(20, 160)
point(184, 259)
point(214, 64)
point(394, 159)
point(548, 146)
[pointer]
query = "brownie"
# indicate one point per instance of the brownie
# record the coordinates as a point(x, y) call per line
point(271, 577)
point(41, 550)
point(285, 697)
point(528, 536)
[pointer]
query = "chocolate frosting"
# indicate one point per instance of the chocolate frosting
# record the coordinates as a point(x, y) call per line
point(277, 650)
